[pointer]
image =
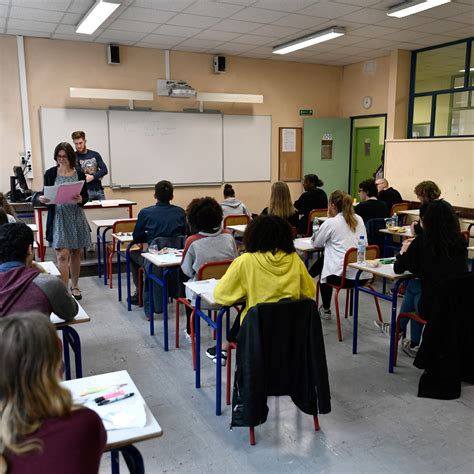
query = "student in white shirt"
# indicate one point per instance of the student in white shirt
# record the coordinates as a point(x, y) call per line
point(337, 235)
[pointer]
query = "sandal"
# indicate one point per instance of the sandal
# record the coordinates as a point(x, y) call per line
point(76, 292)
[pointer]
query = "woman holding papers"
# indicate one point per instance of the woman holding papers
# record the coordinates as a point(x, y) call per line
point(67, 229)
point(42, 429)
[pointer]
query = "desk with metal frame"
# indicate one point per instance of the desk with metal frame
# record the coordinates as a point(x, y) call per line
point(384, 271)
point(120, 440)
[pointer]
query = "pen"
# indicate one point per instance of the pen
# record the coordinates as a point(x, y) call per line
point(116, 399)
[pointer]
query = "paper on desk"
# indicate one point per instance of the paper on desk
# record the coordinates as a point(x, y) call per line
point(203, 286)
point(128, 413)
point(63, 193)
point(168, 257)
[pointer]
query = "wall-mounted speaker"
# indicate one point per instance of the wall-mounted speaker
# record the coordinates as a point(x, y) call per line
point(219, 64)
point(113, 54)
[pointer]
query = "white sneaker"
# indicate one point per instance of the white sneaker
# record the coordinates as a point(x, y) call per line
point(325, 313)
point(408, 350)
point(383, 327)
point(187, 336)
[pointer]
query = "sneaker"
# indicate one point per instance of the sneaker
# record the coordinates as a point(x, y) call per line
point(408, 349)
point(223, 359)
point(211, 353)
point(383, 327)
point(134, 299)
point(325, 313)
point(187, 336)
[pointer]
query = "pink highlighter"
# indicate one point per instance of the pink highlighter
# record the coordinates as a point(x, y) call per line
point(108, 396)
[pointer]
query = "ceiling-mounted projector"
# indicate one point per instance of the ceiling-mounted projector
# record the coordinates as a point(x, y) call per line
point(179, 89)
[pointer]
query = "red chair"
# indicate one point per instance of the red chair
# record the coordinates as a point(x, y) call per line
point(371, 253)
point(413, 316)
point(236, 219)
point(205, 272)
point(401, 206)
point(314, 213)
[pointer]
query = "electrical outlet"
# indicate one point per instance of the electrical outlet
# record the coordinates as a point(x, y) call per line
point(28, 165)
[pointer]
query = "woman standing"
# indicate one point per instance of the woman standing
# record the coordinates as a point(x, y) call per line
point(281, 205)
point(42, 430)
point(67, 229)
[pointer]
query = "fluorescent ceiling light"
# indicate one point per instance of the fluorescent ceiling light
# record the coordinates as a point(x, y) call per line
point(225, 97)
point(309, 40)
point(99, 12)
point(410, 8)
point(120, 94)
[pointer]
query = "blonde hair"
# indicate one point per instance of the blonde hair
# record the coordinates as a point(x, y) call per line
point(30, 360)
point(280, 201)
point(343, 203)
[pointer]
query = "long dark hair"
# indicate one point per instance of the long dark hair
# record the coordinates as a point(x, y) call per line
point(442, 232)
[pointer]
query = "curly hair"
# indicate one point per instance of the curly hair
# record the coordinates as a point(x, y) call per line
point(204, 215)
point(427, 190)
point(269, 234)
point(14, 242)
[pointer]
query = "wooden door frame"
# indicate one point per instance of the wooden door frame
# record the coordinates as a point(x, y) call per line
point(353, 118)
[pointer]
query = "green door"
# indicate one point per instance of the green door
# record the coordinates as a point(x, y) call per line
point(366, 153)
point(326, 146)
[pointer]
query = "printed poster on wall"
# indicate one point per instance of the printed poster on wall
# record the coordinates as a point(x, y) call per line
point(289, 140)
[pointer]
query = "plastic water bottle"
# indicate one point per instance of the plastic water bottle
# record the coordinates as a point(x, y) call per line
point(361, 250)
point(315, 225)
point(395, 220)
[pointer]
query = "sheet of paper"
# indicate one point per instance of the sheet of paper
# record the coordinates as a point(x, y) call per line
point(168, 258)
point(202, 286)
point(63, 193)
point(289, 140)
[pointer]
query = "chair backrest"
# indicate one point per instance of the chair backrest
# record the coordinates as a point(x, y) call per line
point(213, 269)
point(401, 206)
point(124, 225)
point(236, 219)
point(371, 253)
point(374, 236)
point(175, 242)
point(312, 214)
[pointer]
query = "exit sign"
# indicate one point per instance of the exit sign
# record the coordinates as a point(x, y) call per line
point(306, 112)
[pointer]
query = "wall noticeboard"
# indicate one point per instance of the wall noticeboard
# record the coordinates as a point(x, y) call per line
point(290, 153)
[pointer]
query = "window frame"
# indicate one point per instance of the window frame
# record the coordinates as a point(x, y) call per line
point(434, 94)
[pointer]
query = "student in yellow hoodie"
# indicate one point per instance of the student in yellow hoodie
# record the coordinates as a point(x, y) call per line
point(269, 271)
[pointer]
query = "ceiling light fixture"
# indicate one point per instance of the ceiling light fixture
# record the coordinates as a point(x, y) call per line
point(98, 13)
point(410, 8)
point(309, 40)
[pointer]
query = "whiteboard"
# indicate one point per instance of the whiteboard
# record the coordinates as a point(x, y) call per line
point(146, 147)
point(58, 124)
point(247, 148)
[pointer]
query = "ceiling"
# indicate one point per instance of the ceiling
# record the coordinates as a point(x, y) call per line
point(248, 28)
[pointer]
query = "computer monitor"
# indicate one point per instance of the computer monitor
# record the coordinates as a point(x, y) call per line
point(20, 177)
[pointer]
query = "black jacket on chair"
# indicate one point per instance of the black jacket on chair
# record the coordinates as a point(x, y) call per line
point(280, 351)
point(447, 349)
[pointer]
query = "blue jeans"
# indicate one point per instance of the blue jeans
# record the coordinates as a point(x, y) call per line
point(96, 195)
point(410, 304)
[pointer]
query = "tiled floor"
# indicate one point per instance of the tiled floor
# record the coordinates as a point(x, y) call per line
point(377, 423)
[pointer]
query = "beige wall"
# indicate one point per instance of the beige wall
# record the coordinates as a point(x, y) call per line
point(11, 131)
point(359, 81)
point(53, 66)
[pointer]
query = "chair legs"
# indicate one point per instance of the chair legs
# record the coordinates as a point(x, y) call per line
point(413, 316)
point(338, 320)
point(230, 346)
point(141, 271)
point(377, 305)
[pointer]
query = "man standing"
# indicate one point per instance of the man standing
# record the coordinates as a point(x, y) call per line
point(92, 164)
point(387, 194)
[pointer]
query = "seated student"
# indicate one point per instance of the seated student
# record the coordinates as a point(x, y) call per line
point(312, 198)
point(281, 205)
point(426, 192)
point(231, 205)
point(270, 270)
point(439, 253)
point(387, 194)
point(23, 286)
point(42, 430)
point(160, 220)
point(8, 208)
point(337, 235)
point(370, 207)
point(208, 244)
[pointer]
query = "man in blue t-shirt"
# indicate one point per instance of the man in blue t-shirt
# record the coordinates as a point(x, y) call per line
point(93, 166)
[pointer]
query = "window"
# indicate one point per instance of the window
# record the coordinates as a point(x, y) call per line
point(441, 92)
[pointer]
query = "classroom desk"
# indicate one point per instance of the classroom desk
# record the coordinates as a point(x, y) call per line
point(388, 240)
point(49, 267)
point(106, 204)
point(33, 227)
point(167, 262)
point(384, 271)
point(71, 339)
point(208, 298)
point(240, 228)
point(117, 440)
point(106, 225)
point(410, 212)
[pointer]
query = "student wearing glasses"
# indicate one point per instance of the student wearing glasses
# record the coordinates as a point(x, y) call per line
point(370, 207)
